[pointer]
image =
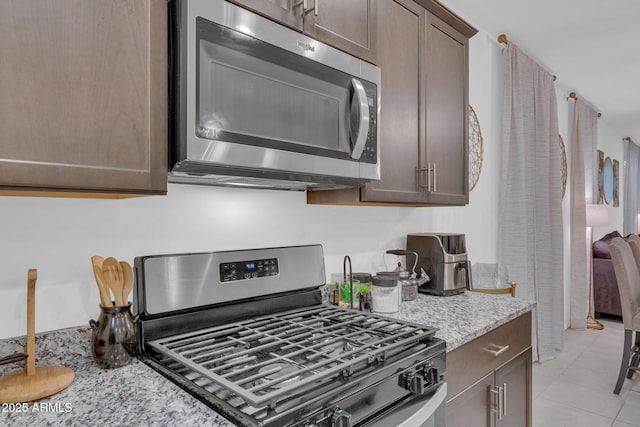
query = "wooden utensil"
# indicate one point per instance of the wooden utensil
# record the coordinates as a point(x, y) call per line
point(113, 277)
point(34, 382)
point(105, 297)
point(97, 260)
point(127, 273)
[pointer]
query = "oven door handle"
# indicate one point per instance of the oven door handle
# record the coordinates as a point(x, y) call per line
point(359, 112)
point(415, 413)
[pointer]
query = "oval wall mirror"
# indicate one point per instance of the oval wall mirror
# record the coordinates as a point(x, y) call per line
point(607, 180)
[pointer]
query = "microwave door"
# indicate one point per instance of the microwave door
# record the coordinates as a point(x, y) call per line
point(254, 93)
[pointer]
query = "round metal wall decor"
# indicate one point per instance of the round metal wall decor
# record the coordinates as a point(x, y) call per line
point(475, 149)
point(563, 164)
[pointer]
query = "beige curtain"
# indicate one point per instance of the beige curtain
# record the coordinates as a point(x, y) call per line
point(584, 134)
point(531, 243)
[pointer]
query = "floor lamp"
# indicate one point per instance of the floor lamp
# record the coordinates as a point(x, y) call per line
point(597, 216)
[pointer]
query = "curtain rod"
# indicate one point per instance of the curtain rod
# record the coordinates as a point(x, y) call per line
point(573, 96)
point(502, 38)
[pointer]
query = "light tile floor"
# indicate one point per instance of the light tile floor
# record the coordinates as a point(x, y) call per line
point(576, 388)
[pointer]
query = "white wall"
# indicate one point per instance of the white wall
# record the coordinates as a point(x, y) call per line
point(611, 143)
point(485, 67)
point(58, 236)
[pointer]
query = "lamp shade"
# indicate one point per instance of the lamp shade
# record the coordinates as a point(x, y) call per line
point(597, 216)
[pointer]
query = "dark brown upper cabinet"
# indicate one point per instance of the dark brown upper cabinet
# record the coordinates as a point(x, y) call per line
point(287, 12)
point(347, 25)
point(84, 97)
point(423, 57)
point(446, 146)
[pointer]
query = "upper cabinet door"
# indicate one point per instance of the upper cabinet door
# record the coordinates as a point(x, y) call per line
point(348, 25)
point(446, 114)
point(84, 96)
point(287, 12)
point(400, 53)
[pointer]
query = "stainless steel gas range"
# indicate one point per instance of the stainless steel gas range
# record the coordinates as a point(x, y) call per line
point(246, 333)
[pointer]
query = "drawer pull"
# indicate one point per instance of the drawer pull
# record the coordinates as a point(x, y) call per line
point(501, 349)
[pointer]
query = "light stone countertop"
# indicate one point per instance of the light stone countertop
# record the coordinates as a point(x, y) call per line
point(461, 318)
point(137, 395)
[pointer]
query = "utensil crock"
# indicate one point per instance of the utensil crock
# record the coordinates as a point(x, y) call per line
point(113, 337)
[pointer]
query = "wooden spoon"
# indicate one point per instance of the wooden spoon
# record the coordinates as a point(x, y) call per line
point(127, 273)
point(113, 276)
point(97, 260)
point(105, 297)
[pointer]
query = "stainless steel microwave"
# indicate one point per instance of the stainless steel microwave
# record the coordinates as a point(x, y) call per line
point(254, 103)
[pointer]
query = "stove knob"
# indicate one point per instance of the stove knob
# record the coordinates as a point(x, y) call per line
point(412, 381)
point(431, 375)
point(340, 418)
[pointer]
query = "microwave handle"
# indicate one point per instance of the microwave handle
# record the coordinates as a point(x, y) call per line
point(360, 98)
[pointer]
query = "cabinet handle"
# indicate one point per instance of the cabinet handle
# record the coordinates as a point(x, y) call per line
point(306, 10)
point(498, 399)
point(420, 172)
point(316, 7)
point(500, 402)
point(435, 179)
point(501, 349)
point(504, 400)
point(428, 177)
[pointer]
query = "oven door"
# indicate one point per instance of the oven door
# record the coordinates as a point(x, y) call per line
point(429, 411)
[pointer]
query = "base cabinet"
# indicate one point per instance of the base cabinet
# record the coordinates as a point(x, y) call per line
point(501, 398)
point(496, 391)
point(471, 407)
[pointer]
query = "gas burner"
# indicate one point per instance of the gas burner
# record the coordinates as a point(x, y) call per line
point(339, 348)
point(281, 369)
point(363, 338)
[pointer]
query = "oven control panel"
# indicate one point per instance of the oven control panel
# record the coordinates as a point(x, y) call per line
point(246, 270)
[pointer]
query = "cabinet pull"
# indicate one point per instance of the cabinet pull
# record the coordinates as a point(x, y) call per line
point(498, 401)
point(306, 10)
point(435, 179)
point(316, 7)
point(428, 177)
point(420, 172)
point(504, 400)
point(501, 349)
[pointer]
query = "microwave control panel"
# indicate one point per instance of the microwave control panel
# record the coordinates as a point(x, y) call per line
point(246, 270)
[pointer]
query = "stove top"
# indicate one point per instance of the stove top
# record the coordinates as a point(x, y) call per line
point(246, 333)
point(266, 359)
